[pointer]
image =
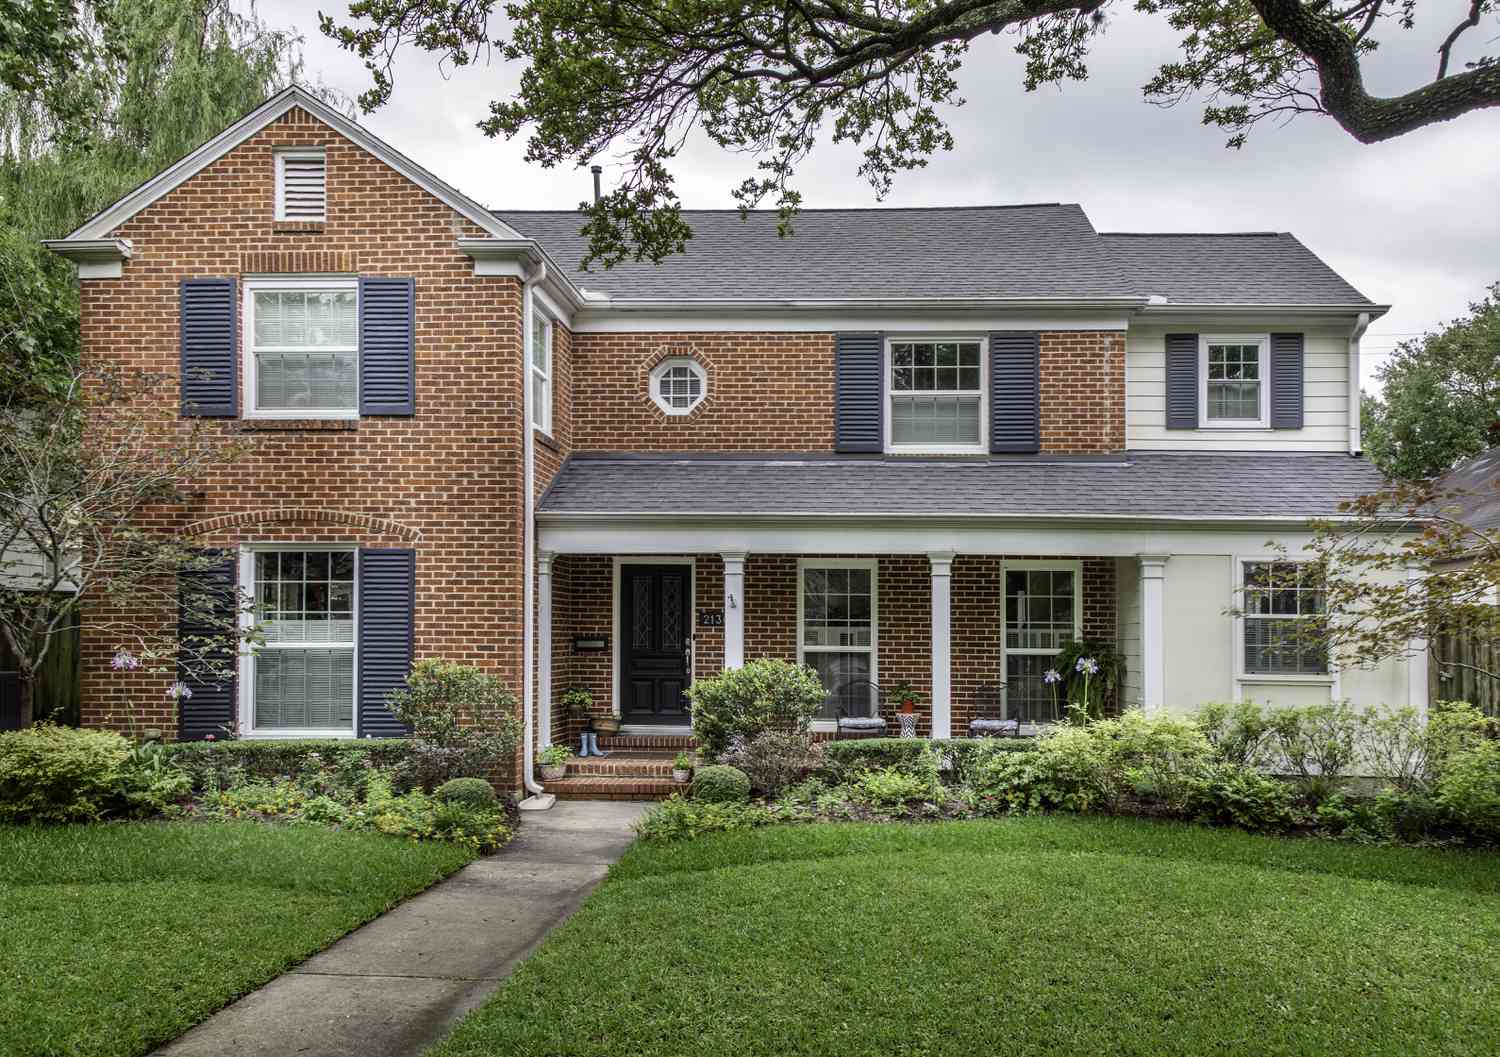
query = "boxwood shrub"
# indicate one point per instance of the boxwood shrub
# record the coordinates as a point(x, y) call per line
point(721, 784)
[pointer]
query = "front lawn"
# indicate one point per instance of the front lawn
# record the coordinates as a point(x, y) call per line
point(118, 937)
point(1026, 935)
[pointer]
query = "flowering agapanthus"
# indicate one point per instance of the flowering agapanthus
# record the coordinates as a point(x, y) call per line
point(179, 692)
point(1088, 666)
point(124, 661)
point(1051, 675)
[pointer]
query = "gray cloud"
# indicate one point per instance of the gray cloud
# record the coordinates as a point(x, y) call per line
point(1412, 222)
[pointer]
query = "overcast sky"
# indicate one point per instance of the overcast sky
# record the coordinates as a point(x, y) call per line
point(1414, 222)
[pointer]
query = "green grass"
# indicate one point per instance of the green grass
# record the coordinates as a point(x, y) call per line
point(118, 937)
point(1038, 936)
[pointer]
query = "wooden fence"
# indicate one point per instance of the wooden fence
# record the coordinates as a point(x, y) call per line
point(1452, 674)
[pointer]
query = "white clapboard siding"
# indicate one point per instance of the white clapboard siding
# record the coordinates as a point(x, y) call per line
point(1325, 380)
point(302, 191)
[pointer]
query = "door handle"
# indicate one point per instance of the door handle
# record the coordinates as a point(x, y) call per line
point(687, 655)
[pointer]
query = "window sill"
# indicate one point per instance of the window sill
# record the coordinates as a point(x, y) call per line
point(298, 425)
point(1242, 427)
point(936, 450)
point(546, 440)
point(1284, 680)
point(294, 735)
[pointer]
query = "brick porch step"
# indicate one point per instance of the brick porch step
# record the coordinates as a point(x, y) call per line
point(635, 742)
point(614, 787)
point(638, 763)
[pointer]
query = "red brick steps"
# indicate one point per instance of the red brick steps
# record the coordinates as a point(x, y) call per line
point(625, 774)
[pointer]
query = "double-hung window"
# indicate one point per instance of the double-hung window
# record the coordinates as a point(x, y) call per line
point(1042, 612)
point(302, 340)
point(1234, 371)
point(836, 632)
point(1283, 619)
point(302, 678)
point(936, 395)
point(541, 371)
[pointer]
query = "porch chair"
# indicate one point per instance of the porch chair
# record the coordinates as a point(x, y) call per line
point(858, 714)
point(989, 719)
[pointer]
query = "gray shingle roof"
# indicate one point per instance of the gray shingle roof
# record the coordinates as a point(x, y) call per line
point(1252, 268)
point(1475, 483)
point(1022, 251)
point(1133, 484)
point(1012, 251)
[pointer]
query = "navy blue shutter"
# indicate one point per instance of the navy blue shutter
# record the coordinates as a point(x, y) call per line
point(387, 346)
point(387, 603)
point(859, 392)
point(1286, 381)
point(1182, 381)
point(207, 609)
point(208, 318)
point(1015, 391)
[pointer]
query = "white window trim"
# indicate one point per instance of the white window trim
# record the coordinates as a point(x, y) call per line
point(541, 415)
point(1243, 678)
point(299, 154)
point(1263, 360)
point(872, 564)
point(245, 712)
point(654, 378)
point(251, 284)
point(887, 394)
point(1006, 566)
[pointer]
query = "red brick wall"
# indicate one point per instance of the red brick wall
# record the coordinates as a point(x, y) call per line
point(1083, 391)
point(445, 481)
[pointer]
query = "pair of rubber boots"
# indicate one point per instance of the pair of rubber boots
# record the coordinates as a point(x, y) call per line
point(590, 745)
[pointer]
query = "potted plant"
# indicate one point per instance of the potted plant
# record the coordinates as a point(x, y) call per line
point(578, 700)
point(682, 767)
point(554, 761)
point(905, 697)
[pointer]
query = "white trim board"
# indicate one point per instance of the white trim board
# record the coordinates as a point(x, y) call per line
point(100, 224)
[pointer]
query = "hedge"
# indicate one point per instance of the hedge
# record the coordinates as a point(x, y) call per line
point(846, 756)
point(270, 759)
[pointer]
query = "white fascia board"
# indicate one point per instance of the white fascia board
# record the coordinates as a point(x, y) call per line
point(1236, 313)
point(916, 315)
point(524, 259)
point(113, 216)
point(96, 258)
point(942, 518)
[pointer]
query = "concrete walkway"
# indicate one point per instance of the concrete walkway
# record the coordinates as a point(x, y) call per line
point(398, 984)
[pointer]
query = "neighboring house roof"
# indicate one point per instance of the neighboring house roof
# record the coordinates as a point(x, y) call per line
point(1022, 251)
point(1147, 485)
point(1263, 267)
point(1478, 478)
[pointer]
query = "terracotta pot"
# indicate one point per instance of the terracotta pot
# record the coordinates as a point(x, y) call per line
point(908, 707)
point(551, 772)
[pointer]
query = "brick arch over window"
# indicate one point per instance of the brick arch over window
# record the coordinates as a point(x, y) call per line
point(677, 350)
point(372, 525)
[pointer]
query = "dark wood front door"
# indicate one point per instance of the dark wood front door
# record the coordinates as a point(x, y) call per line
point(655, 632)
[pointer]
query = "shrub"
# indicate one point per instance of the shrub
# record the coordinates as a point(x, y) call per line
point(150, 782)
point(1468, 787)
point(774, 760)
point(742, 702)
point(720, 784)
point(894, 787)
point(58, 774)
point(677, 818)
point(476, 792)
point(1240, 733)
point(462, 720)
point(1318, 744)
point(1069, 768)
point(1230, 794)
point(214, 765)
point(1153, 757)
point(846, 758)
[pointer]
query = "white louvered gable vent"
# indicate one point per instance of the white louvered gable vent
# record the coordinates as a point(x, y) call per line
point(301, 185)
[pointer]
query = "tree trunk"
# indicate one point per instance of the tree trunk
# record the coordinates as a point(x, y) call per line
point(28, 698)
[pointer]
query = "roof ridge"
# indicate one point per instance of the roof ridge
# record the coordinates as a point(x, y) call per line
point(847, 209)
point(1193, 234)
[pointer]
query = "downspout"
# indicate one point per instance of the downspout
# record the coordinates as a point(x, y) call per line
point(539, 800)
point(1361, 324)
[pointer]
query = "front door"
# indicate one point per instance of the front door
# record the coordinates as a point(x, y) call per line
point(656, 648)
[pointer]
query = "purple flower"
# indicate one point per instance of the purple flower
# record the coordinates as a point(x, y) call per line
point(1051, 675)
point(1088, 666)
point(124, 661)
point(179, 692)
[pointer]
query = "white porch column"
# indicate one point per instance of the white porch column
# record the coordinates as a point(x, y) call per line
point(734, 609)
point(942, 643)
point(1153, 632)
point(1417, 658)
point(544, 647)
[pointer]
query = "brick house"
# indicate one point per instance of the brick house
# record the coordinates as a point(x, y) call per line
point(921, 446)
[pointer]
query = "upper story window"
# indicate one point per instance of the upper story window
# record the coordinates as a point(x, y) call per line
point(302, 345)
point(936, 400)
point(301, 185)
point(678, 384)
point(1234, 370)
point(541, 371)
point(1283, 619)
point(302, 678)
